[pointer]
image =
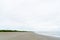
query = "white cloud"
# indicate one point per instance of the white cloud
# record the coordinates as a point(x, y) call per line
point(30, 14)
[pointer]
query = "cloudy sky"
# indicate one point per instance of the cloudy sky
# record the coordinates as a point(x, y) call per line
point(33, 15)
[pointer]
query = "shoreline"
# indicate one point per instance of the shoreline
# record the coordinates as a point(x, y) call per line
point(24, 36)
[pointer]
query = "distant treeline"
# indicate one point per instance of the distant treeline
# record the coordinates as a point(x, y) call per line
point(11, 31)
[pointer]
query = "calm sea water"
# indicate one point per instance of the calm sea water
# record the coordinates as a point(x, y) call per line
point(49, 33)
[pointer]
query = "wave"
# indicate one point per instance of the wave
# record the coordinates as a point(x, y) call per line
point(52, 34)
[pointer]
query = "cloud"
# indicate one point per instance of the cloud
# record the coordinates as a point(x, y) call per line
point(29, 14)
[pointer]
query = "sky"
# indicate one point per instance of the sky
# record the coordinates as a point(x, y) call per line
point(31, 15)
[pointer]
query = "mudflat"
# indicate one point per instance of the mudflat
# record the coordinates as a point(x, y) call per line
point(24, 36)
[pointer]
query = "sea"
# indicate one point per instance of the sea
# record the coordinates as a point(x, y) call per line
point(49, 33)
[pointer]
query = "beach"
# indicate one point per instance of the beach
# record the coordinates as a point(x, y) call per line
point(24, 36)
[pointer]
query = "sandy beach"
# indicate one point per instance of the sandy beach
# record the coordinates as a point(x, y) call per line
point(24, 36)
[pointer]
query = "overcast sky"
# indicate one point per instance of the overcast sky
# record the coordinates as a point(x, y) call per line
point(37, 15)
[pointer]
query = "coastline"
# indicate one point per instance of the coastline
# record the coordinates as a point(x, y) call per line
point(24, 36)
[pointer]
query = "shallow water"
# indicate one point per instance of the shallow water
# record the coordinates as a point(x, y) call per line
point(50, 33)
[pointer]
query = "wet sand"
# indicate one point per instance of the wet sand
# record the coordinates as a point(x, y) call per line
point(24, 36)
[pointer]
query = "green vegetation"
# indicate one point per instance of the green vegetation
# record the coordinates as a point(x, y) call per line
point(11, 31)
